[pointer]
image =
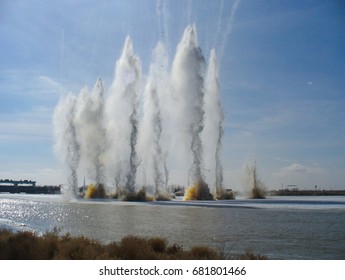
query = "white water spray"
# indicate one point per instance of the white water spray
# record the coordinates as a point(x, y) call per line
point(122, 112)
point(110, 140)
point(154, 162)
point(67, 146)
point(187, 80)
point(214, 117)
point(90, 131)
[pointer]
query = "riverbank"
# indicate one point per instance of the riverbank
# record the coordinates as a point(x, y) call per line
point(288, 192)
point(30, 189)
point(52, 246)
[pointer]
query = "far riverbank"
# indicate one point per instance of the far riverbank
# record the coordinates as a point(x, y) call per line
point(288, 192)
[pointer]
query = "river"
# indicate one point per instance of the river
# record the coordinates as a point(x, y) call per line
point(277, 227)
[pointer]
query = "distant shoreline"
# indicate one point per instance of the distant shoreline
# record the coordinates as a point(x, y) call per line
point(30, 189)
point(287, 192)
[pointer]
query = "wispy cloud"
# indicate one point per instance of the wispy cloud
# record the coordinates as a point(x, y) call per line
point(29, 84)
point(31, 125)
point(297, 168)
point(49, 82)
point(304, 176)
point(229, 27)
point(27, 102)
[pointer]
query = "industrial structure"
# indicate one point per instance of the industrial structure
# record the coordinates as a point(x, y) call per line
point(27, 186)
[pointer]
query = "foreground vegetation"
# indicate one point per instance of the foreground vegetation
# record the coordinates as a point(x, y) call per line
point(52, 246)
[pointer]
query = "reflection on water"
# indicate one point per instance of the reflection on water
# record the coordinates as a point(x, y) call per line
point(278, 228)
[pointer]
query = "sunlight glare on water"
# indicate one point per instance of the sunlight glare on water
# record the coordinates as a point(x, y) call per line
point(278, 228)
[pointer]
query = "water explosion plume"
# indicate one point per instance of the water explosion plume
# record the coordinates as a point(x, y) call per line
point(188, 71)
point(154, 160)
point(187, 82)
point(67, 145)
point(106, 138)
point(198, 191)
point(213, 132)
point(122, 111)
point(257, 188)
point(95, 191)
point(91, 134)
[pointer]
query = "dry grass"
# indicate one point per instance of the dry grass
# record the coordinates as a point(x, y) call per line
point(52, 246)
point(249, 255)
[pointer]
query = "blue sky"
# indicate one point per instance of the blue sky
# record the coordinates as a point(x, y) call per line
point(282, 78)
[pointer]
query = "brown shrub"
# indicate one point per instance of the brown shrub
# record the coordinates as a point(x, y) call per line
point(174, 249)
point(29, 246)
point(204, 253)
point(112, 251)
point(135, 248)
point(78, 248)
point(157, 244)
point(24, 246)
point(249, 255)
point(5, 234)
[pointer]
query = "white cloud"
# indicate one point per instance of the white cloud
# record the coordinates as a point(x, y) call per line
point(301, 175)
point(29, 84)
point(45, 80)
point(297, 168)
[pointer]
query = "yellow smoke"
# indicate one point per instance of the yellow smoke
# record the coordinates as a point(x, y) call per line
point(198, 191)
point(95, 191)
point(191, 193)
point(90, 191)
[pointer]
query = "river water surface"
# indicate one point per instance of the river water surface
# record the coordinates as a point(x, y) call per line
point(277, 227)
